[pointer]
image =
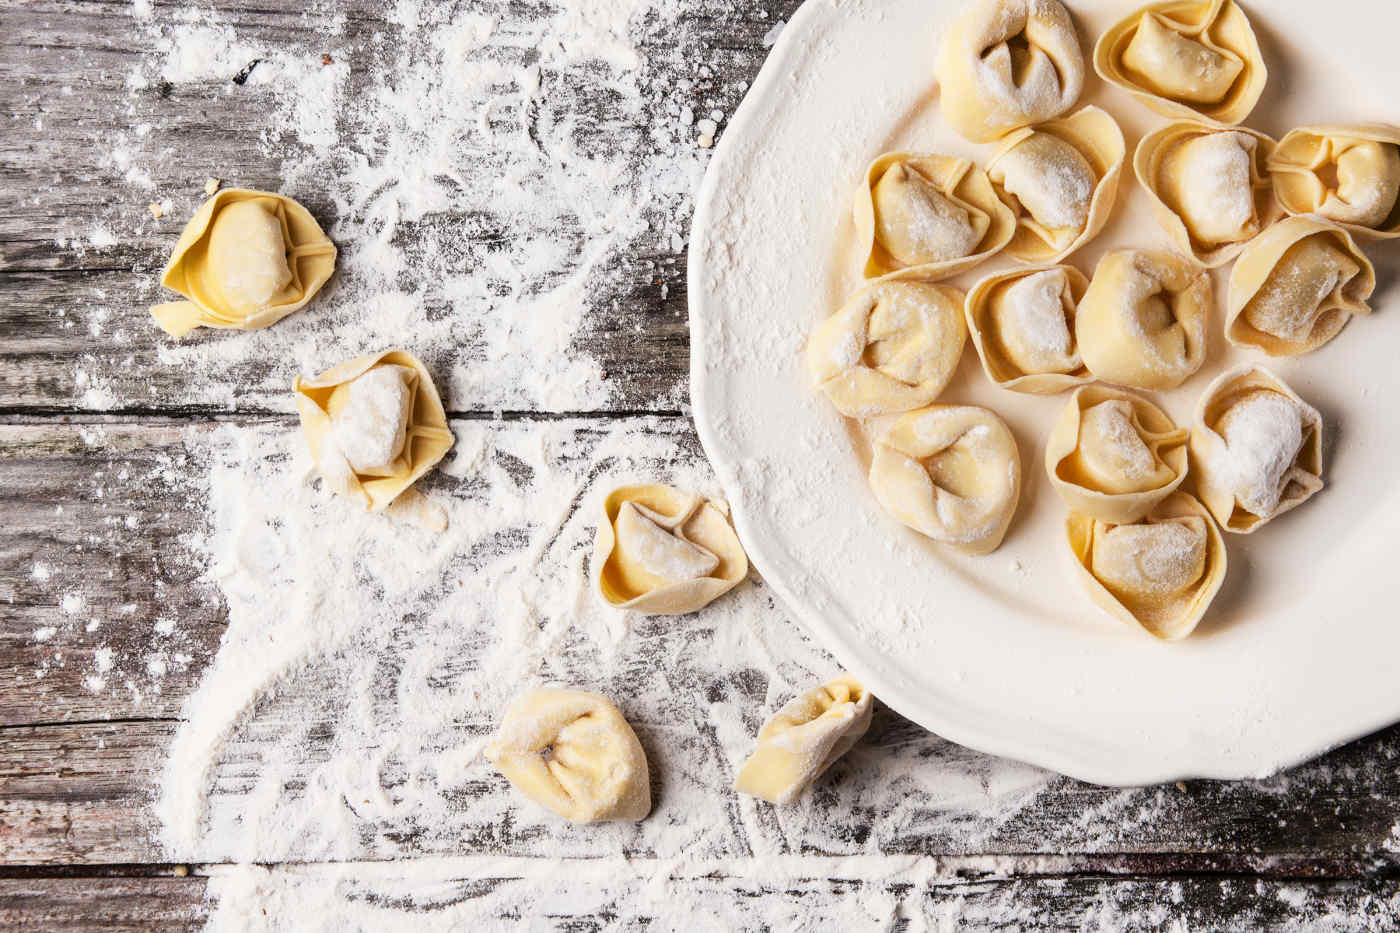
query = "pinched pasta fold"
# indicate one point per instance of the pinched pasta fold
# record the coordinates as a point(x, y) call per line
point(374, 425)
point(1113, 455)
point(1142, 322)
point(573, 752)
point(1022, 325)
point(928, 217)
point(665, 552)
point(804, 738)
point(1256, 449)
point(1186, 58)
point(949, 472)
point(1005, 64)
point(1062, 179)
point(1296, 286)
point(1349, 175)
point(892, 347)
point(1159, 573)
point(1209, 186)
point(245, 260)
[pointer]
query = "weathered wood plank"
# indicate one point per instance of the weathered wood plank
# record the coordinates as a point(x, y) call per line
point(105, 612)
point(1045, 905)
point(81, 791)
point(106, 134)
point(102, 905)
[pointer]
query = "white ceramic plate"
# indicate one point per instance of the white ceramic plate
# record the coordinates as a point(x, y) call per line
point(1005, 653)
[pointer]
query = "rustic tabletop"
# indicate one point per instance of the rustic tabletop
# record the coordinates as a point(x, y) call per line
point(509, 184)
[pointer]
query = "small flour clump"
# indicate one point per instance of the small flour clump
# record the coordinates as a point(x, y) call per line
point(1116, 440)
point(1052, 180)
point(1217, 193)
point(1152, 559)
point(1034, 328)
point(1263, 435)
point(369, 417)
point(658, 551)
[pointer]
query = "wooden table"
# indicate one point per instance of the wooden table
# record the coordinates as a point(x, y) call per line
point(1316, 848)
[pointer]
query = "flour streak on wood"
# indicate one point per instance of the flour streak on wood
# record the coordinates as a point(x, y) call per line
point(108, 621)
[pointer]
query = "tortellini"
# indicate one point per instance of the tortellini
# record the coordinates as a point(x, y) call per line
point(1143, 321)
point(245, 260)
point(1186, 58)
point(665, 552)
point(1062, 176)
point(1296, 286)
point(1022, 324)
point(1348, 174)
point(928, 217)
point(1256, 449)
point(574, 753)
point(374, 425)
point(1005, 64)
point(804, 738)
point(951, 473)
point(1113, 455)
point(1160, 573)
point(892, 347)
point(1210, 187)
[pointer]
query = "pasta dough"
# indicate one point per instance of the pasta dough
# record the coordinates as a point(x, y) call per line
point(373, 426)
point(1022, 324)
point(804, 738)
point(665, 552)
point(1113, 455)
point(1005, 64)
point(1256, 449)
point(893, 347)
point(1210, 188)
point(1143, 321)
point(950, 472)
point(1062, 177)
point(1159, 574)
point(1296, 286)
point(1186, 58)
point(928, 217)
point(245, 260)
point(574, 753)
point(1348, 174)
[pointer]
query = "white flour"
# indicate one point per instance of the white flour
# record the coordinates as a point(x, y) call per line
point(491, 176)
point(367, 663)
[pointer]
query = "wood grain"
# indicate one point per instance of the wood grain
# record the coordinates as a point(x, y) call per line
point(80, 790)
point(103, 517)
point(73, 315)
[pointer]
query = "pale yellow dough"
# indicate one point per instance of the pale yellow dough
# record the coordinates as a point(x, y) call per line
point(1113, 455)
point(928, 217)
point(1256, 449)
point(665, 552)
point(1158, 574)
point(1143, 321)
point(574, 753)
point(1062, 179)
point(245, 260)
point(892, 347)
point(804, 738)
point(1296, 286)
point(1210, 187)
point(1349, 175)
point(1186, 58)
point(363, 449)
point(951, 473)
point(1022, 325)
point(1005, 64)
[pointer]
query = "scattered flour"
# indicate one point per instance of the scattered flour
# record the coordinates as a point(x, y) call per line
point(494, 177)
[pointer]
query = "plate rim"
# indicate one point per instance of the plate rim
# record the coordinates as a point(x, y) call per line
point(1114, 770)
